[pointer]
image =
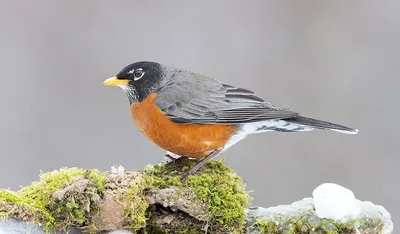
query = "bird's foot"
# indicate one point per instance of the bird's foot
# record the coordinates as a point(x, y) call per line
point(169, 155)
point(169, 158)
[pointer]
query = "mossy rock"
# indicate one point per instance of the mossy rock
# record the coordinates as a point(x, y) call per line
point(61, 199)
point(214, 195)
point(213, 200)
point(156, 200)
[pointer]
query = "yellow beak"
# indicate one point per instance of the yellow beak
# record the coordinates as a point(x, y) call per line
point(113, 81)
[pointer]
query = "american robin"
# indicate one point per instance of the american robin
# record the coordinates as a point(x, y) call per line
point(196, 116)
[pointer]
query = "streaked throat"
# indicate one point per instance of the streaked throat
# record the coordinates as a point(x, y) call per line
point(130, 92)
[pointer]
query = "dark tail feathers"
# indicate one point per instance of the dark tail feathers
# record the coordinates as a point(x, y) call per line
point(314, 123)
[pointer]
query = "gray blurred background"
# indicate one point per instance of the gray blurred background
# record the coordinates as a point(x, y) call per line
point(334, 60)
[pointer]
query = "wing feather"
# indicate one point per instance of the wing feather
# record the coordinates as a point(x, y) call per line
point(193, 98)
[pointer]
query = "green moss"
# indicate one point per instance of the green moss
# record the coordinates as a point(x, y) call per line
point(73, 207)
point(370, 223)
point(70, 197)
point(41, 190)
point(77, 203)
point(307, 222)
point(187, 230)
point(15, 205)
point(267, 226)
point(99, 178)
point(34, 200)
point(134, 202)
point(216, 185)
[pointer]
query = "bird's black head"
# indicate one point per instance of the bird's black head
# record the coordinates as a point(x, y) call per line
point(138, 80)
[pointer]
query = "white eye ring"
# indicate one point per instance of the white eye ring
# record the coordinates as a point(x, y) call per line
point(140, 70)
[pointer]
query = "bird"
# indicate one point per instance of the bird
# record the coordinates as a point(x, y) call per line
point(199, 117)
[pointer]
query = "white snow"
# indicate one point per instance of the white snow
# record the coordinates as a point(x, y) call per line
point(335, 202)
point(14, 226)
point(297, 210)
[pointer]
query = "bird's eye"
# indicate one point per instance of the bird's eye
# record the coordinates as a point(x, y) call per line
point(138, 73)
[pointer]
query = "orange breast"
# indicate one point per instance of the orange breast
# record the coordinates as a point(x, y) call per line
point(183, 139)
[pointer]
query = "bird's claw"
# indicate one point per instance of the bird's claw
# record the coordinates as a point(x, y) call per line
point(170, 157)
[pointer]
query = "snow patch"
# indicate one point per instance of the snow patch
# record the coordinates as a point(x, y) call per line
point(335, 202)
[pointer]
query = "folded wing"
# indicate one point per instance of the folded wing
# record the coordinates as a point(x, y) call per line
point(192, 98)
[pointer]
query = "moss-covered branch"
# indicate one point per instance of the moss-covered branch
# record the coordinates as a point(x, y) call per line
point(156, 200)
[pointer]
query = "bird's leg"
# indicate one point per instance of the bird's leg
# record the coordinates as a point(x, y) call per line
point(169, 156)
point(172, 155)
point(201, 164)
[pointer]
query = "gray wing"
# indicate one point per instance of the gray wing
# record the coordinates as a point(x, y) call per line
point(192, 98)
